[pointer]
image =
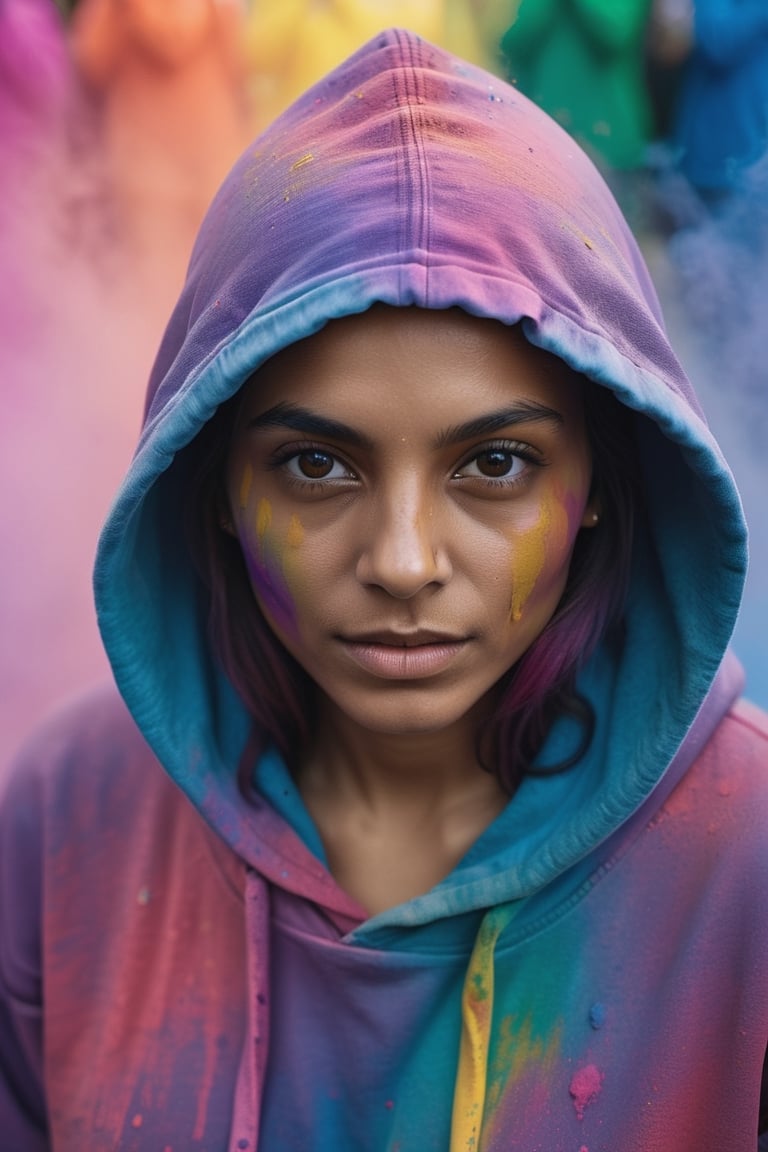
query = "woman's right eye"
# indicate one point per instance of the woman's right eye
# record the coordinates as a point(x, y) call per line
point(315, 464)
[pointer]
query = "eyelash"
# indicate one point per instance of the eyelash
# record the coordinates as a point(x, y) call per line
point(516, 448)
point(520, 450)
point(283, 457)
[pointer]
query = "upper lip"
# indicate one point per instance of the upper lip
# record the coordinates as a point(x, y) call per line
point(397, 639)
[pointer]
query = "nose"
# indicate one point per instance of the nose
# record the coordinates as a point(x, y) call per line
point(403, 553)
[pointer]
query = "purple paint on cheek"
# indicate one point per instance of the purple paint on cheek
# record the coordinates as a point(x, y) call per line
point(265, 567)
point(269, 585)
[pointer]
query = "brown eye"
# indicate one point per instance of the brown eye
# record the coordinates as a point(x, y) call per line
point(496, 463)
point(499, 463)
point(315, 465)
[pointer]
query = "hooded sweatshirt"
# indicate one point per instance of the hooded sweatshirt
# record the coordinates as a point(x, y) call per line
point(179, 969)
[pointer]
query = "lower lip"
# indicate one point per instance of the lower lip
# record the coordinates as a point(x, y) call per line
point(391, 663)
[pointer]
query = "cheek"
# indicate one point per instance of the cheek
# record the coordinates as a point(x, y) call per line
point(272, 553)
point(541, 553)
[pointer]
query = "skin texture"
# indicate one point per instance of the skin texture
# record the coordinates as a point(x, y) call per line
point(404, 566)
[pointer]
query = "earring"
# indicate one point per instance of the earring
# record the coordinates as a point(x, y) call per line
point(595, 517)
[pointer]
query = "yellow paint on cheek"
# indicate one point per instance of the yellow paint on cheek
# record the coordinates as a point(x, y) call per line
point(245, 485)
point(295, 535)
point(291, 555)
point(532, 549)
point(263, 518)
point(530, 553)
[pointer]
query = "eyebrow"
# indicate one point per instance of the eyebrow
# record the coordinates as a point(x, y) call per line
point(524, 412)
point(301, 419)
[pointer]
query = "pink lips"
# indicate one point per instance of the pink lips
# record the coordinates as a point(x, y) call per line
point(404, 657)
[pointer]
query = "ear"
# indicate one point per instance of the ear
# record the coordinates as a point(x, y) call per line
point(591, 517)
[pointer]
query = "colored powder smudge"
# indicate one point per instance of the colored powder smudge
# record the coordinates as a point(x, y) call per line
point(295, 536)
point(518, 1049)
point(528, 561)
point(597, 1015)
point(270, 586)
point(266, 572)
point(585, 1087)
point(263, 519)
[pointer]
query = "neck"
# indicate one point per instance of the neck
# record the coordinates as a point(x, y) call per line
point(396, 813)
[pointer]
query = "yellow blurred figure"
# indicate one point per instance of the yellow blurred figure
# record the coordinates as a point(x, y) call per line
point(292, 43)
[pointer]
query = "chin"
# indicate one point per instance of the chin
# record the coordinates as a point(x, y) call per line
point(409, 717)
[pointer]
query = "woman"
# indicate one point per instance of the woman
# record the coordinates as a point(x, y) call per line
point(429, 817)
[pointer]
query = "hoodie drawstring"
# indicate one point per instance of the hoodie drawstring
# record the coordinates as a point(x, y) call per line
point(246, 1115)
point(476, 1022)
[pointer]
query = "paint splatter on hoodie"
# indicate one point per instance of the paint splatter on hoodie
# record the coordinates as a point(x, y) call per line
point(178, 968)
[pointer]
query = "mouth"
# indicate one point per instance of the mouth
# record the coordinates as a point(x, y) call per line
point(420, 638)
point(404, 655)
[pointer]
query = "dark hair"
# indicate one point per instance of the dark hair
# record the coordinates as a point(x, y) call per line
point(541, 685)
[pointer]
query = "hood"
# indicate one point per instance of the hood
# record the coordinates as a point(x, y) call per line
point(410, 177)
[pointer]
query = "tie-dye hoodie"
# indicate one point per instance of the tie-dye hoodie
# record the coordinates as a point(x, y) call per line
point(178, 968)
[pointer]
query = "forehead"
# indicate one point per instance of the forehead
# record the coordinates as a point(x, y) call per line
point(412, 364)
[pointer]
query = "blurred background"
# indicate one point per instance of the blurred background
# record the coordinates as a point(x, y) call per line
point(118, 120)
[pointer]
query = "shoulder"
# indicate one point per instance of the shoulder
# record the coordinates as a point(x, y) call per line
point(89, 823)
point(64, 768)
point(80, 753)
point(733, 764)
point(93, 721)
point(750, 718)
point(81, 799)
point(721, 802)
point(739, 745)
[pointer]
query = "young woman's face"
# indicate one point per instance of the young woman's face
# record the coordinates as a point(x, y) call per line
point(407, 487)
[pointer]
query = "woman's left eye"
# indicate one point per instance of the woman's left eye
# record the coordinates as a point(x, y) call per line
point(494, 464)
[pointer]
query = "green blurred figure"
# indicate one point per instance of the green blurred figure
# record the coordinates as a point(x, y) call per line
point(583, 61)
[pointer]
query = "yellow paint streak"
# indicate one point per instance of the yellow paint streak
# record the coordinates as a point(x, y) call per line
point(581, 235)
point(307, 158)
point(245, 485)
point(295, 536)
point(530, 554)
point(263, 518)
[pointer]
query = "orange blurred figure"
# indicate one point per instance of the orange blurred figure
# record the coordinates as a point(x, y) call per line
point(168, 82)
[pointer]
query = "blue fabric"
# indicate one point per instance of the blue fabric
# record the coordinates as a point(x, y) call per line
point(721, 124)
